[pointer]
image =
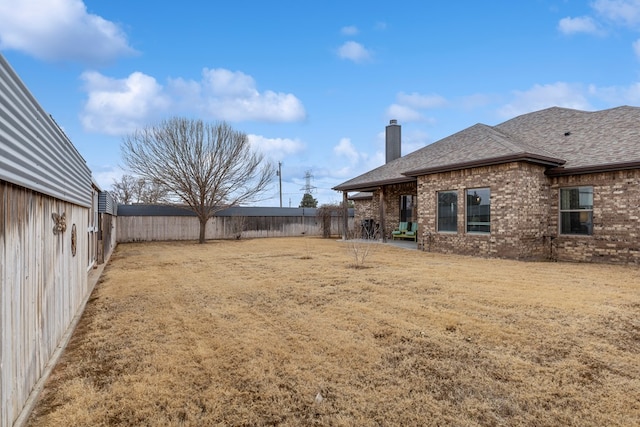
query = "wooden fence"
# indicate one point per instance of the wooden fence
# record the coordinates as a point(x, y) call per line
point(47, 221)
point(149, 223)
point(44, 285)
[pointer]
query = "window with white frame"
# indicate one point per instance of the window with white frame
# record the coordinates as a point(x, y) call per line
point(576, 210)
point(478, 210)
point(448, 211)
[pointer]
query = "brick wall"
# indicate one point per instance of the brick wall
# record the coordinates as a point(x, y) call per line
point(616, 219)
point(363, 209)
point(519, 212)
point(524, 214)
point(392, 204)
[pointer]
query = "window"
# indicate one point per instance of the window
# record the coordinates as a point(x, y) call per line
point(447, 211)
point(479, 210)
point(576, 210)
point(406, 208)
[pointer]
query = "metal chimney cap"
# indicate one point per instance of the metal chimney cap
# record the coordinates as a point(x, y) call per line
point(393, 122)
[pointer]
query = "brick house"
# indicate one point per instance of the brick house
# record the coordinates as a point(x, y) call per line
point(557, 184)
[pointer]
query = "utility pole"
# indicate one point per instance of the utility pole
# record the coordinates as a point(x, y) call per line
point(280, 180)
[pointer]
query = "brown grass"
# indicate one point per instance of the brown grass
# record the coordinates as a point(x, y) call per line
point(285, 332)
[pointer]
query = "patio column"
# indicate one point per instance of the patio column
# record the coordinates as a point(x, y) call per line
point(382, 214)
point(345, 215)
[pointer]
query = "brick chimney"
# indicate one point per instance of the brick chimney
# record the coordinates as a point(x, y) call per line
point(392, 141)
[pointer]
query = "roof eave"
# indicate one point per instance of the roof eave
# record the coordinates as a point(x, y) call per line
point(373, 185)
point(611, 167)
point(523, 157)
point(357, 196)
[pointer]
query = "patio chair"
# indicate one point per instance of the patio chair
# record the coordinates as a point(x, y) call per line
point(399, 232)
point(412, 231)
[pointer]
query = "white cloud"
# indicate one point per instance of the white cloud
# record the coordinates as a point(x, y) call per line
point(187, 93)
point(412, 141)
point(107, 175)
point(60, 30)
point(276, 148)
point(407, 106)
point(381, 26)
point(357, 161)
point(120, 106)
point(476, 100)
point(349, 30)
point(544, 96)
point(415, 100)
point(625, 12)
point(617, 95)
point(222, 82)
point(631, 95)
point(611, 12)
point(636, 48)
point(582, 24)
point(354, 51)
point(349, 162)
point(227, 95)
point(404, 113)
point(344, 172)
point(346, 149)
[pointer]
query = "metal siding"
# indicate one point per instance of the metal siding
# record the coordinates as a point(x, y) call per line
point(106, 204)
point(34, 152)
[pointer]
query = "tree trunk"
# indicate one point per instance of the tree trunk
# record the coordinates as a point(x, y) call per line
point(203, 227)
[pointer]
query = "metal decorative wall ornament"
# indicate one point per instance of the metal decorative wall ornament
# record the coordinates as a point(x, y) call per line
point(60, 223)
point(74, 240)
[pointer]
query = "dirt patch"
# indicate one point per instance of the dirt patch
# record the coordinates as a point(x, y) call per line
point(287, 332)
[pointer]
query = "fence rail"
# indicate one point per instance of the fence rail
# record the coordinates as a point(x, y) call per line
point(150, 228)
point(170, 222)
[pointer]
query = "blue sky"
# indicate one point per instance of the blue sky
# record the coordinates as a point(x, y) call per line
point(314, 83)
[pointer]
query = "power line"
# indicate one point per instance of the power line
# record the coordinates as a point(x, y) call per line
point(308, 188)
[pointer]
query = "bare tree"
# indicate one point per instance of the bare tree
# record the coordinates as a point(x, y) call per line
point(208, 166)
point(152, 192)
point(360, 249)
point(124, 189)
point(130, 189)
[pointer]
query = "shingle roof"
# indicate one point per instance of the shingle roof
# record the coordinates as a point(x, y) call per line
point(566, 140)
point(584, 139)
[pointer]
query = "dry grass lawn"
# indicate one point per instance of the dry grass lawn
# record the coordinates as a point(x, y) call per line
point(286, 332)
